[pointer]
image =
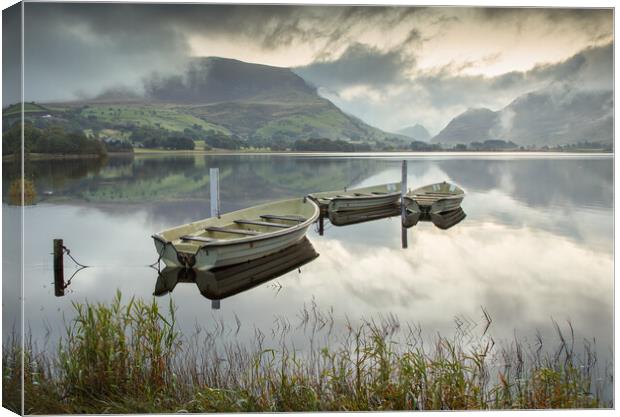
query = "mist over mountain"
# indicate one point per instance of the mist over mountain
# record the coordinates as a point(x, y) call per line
point(556, 115)
point(251, 101)
point(417, 132)
point(214, 79)
point(470, 126)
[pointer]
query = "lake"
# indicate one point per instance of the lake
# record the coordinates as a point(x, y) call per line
point(535, 247)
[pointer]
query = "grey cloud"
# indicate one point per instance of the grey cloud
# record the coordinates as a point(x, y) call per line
point(11, 55)
point(433, 99)
point(82, 49)
point(359, 65)
point(86, 47)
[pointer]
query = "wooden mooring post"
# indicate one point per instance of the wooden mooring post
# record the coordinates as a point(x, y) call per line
point(59, 269)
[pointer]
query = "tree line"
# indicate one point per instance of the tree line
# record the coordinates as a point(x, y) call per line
point(53, 139)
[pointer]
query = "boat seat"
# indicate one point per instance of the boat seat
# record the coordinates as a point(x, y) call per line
point(232, 231)
point(438, 193)
point(265, 224)
point(378, 192)
point(283, 217)
point(362, 194)
point(198, 238)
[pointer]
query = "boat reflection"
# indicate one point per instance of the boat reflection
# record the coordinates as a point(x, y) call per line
point(345, 218)
point(443, 220)
point(223, 282)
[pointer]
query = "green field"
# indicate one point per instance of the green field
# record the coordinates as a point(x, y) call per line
point(16, 109)
point(165, 117)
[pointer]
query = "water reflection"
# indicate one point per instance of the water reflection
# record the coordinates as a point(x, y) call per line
point(443, 220)
point(524, 256)
point(223, 282)
point(345, 218)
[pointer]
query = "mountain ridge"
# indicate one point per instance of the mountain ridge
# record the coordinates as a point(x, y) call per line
point(252, 101)
point(556, 115)
point(417, 132)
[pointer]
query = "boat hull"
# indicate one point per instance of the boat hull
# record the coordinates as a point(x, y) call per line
point(362, 203)
point(218, 253)
point(441, 205)
point(367, 198)
point(436, 198)
point(216, 256)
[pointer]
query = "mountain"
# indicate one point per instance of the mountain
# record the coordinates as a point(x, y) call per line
point(213, 79)
point(417, 132)
point(471, 125)
point(556, 115)
point(252, 101)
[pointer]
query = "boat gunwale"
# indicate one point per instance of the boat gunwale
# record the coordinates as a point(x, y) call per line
point(367, 197)
point(248, 239)
point(458, 192)
point(325, 195)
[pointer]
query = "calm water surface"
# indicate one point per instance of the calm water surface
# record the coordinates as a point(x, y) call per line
point(536, 245)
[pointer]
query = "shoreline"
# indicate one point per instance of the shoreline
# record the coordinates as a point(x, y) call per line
point(392, 154)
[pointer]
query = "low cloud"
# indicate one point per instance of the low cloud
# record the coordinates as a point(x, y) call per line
point(359, 65)
point(391, 66)
point(433, 98)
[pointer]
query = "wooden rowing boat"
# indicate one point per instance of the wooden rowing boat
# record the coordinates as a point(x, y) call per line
point(222, 282)
point(238, 236)
point(436, 198)
point(358, 199)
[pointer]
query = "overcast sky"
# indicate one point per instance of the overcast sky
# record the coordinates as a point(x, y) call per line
point(390, 66)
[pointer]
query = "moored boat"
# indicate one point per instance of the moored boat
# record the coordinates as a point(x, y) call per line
point(358, 199)
point(436, 198)
point(238, 236)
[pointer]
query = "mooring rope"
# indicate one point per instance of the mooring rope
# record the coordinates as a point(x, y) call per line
point(66, 284)
point(161, 253)
point(68, 252)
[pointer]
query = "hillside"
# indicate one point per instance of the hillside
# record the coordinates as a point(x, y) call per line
point(471, 125)
point(417, 132)
point(256, 103)
point(548, 117)
point(212, 80)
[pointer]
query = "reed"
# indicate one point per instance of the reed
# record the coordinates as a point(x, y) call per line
point(130, 358)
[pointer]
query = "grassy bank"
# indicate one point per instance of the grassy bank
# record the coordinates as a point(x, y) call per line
point(129, 357)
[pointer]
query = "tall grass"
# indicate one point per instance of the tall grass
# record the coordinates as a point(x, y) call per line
point(129, 357)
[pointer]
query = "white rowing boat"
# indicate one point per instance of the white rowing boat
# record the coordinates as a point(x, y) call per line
point(238, 236)
point(366, 198)
point(436, 198)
